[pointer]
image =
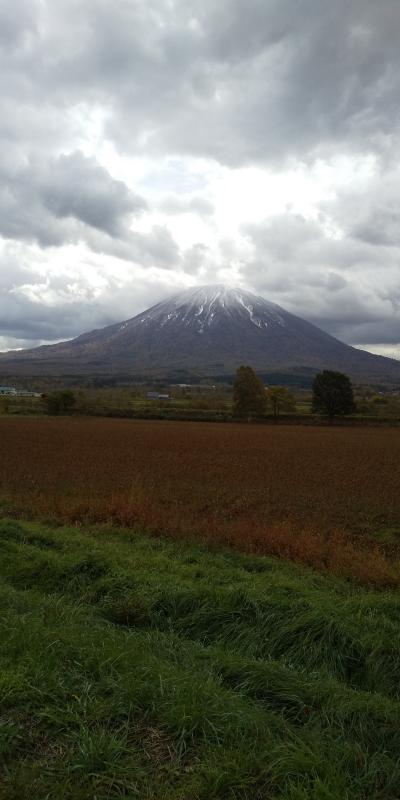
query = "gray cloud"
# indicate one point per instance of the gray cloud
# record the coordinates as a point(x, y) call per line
point(16, 20)
point(41, 308)
point(244, 82)
point(371, 212)
point(187, 205)
point(234, 80)
point(264, 81)
point(78, 187)
point(13, 274)
point(197, 258)
point(49, 201)
point(331, 282)
point(154, 248)
point(72, 198)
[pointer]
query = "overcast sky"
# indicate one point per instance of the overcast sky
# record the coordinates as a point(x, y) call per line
point(150, 145)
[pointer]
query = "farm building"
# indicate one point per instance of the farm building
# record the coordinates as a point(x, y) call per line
point(7, 390)
point(11, 390)
point(157, 396)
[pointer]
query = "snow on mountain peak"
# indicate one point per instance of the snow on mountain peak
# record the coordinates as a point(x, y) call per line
point(202, 307)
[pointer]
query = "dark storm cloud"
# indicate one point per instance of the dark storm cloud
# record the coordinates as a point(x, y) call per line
point(236, 80)
point(154, 248)
point(261, 81)
point(43, 200)
point(78, 187)
point(72, 198)
point(23, 318)
point(383, 331)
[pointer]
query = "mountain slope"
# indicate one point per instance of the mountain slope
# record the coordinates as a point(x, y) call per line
point(207, 330)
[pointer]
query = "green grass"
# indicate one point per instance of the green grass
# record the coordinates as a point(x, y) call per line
point(388, 535)
point(135, 667)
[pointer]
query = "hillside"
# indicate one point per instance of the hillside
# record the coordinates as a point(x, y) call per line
point(204, 331)
point(140, 668)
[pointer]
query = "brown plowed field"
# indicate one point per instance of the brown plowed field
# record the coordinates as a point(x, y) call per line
point(325, 496)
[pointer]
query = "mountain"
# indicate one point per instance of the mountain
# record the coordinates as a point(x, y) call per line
point(204, 331)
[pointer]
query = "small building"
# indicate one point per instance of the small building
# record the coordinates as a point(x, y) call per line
point(7, 390)
point(27, 393)
point(157, 396)
point(13, 392)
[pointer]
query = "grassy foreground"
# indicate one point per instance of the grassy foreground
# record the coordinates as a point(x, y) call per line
point(134, 667)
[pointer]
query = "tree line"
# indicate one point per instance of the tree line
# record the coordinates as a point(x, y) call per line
point(332, 395)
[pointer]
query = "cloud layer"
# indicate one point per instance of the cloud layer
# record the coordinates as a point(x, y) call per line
point(150, 145)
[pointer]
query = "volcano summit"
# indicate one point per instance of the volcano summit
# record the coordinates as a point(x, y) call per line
point(204, 331)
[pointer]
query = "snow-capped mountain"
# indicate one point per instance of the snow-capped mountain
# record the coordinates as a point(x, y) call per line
point(203, 308)
point(206, 330)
